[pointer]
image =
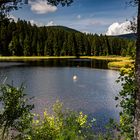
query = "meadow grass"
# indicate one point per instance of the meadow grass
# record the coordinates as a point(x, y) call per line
point(2, 58)
point(109, 58)
point(119, 64)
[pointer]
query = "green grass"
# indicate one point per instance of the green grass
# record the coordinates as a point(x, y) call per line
point(4, 58)
point(119, 64)
point(109, 58)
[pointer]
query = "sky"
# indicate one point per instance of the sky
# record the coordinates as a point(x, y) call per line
point(90, 16)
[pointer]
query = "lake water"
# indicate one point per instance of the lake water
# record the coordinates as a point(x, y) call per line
point(93, 91)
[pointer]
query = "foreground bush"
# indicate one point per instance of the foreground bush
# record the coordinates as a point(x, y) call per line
point(14, 108)
point(62, 125)
point(127, 101)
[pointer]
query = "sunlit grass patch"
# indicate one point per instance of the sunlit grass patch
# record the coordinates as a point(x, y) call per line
point(110, 58)
point(2, 58)
point(120, 64)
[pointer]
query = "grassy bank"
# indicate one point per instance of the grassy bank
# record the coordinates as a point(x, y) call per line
point(116, 61)
point(109, 58)
point(12, 58)
point(119, 64)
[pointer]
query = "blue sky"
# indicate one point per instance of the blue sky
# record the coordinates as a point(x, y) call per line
point(95, 16)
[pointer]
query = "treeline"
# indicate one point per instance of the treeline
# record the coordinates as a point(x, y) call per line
point(23, 39)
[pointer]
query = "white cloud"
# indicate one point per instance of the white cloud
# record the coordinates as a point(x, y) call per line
point(12, 17)
point(92, 22)
point(95, 22)
point(51, 23)
point(33, 22)
point(42, 7)
point(118, 28)
point(86, 32)
point(79, 17)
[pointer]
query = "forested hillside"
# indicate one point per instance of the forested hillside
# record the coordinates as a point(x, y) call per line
point(131, 36)
point(23, 39)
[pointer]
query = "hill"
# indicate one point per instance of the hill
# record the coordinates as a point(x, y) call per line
point(63, 28)
point(131, 36)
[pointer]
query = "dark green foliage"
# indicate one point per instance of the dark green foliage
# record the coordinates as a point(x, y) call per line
point(14, 108)
point(23, 39)
point(127, 102)
point(62, 2)
point(64, 28)
point(6, 6)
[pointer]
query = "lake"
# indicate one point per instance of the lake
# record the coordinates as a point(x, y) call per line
point(93, 92)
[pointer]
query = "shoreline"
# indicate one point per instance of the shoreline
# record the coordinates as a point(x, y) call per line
point(115, 58)
point(11, 58)
point(116, 62)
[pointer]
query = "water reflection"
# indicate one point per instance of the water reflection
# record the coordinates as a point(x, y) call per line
point(70, 63)
point(91, 63)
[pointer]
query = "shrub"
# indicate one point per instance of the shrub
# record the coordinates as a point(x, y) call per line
point(14, 108)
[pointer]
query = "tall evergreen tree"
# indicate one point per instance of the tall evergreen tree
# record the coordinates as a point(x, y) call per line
point(26, 46)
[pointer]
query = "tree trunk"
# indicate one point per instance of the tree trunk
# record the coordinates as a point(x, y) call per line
point(137, 68)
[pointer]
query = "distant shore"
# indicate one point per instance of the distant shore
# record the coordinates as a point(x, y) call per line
point(110, 58)
point(12, 58)
point(116, 62)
